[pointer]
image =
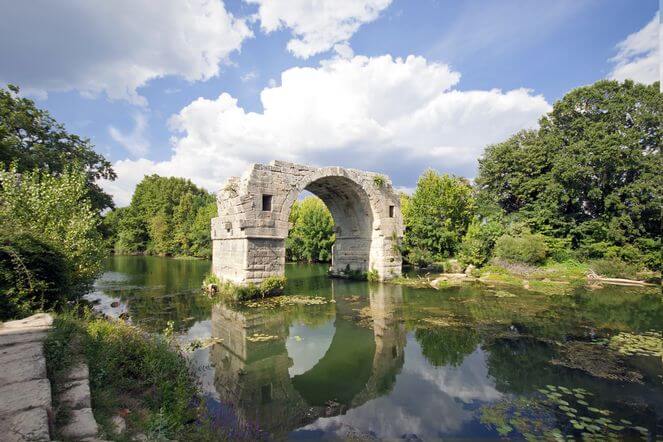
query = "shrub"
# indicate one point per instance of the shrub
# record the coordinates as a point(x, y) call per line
point(211, 278)
point(379, 180)
point(58, 211)
point(33, 276)
point(614, 268)
point(272, 285)
point(527, 248)
point(420, 257)
point(373, 276)
point(478, 243)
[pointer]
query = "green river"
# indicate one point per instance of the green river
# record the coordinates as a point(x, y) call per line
point(340, 359)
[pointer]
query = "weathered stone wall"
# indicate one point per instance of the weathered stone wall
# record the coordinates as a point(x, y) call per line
point(249, 239)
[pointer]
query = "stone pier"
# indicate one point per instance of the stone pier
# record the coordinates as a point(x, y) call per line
point(249, 234)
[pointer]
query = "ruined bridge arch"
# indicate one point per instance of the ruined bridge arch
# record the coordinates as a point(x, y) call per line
point(249, 234)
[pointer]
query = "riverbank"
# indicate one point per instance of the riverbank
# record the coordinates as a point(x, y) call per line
point(141, 385)
point(552, 278)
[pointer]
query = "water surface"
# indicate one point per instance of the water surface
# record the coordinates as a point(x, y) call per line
point(337, 359)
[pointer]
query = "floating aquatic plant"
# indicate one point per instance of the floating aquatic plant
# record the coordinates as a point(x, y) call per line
point(280, 301)
point(630, 344)
point(593, 422)
point(559, 415)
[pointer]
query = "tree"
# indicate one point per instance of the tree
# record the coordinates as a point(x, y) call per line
point(591, 173)
point(437, 215)
point(199, 233)
point(110, 227)
point(167, 216)
point(30, 138)
point(312, 234)
point(57, 210)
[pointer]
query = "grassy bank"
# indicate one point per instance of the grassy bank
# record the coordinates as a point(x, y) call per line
point(550, 278)
point(142, 377)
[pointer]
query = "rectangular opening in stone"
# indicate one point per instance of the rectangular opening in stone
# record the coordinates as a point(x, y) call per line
point(267, 203)
point(391, 211)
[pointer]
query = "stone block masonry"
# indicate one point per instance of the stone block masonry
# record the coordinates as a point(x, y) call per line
point(252, 225)
point(26, 412)
point(25, 392)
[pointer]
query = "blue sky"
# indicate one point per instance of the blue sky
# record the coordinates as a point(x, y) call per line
point(144, 82)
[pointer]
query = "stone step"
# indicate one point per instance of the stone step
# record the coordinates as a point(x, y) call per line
point(25, 392)
point(81, 425)
point(25, 395)
point(29, 425)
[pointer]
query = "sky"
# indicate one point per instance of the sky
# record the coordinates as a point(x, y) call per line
point(202, 88)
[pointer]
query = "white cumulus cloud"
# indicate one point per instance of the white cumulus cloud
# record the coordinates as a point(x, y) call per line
point(317, 25)
point(114, 47)
point(638, 56)
point(135, 142)
point(397, 116)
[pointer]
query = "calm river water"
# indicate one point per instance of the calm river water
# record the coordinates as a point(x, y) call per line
point(339, 359)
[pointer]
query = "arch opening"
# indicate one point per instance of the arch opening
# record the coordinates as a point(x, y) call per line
point(351, 211)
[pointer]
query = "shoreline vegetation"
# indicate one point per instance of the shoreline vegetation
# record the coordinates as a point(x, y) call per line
point(551, 278)
point(143, 380)
point(215, 287)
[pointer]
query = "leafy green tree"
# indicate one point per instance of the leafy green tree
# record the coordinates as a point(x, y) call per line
point(167, 216)
point(312, 234)
point(30, 138)
point(57, 210)
point(199, 233)
point(591, 173)
point(110, 227)
point(437, 215)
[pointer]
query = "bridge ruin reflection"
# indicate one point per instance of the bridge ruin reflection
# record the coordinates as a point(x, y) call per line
point(361, 362)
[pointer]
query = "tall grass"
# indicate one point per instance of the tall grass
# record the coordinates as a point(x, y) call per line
point(145, 376)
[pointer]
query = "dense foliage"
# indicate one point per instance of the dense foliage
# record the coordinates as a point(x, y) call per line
point(50, 238)
point(526, 248)
point(167, 216)
point(479, 241)
point(312, 234)
point(437, 216)
point(590, 175)
point(30, 138)
point(33, 275)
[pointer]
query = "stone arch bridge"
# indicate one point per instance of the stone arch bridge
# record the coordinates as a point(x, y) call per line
point(249, 234)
